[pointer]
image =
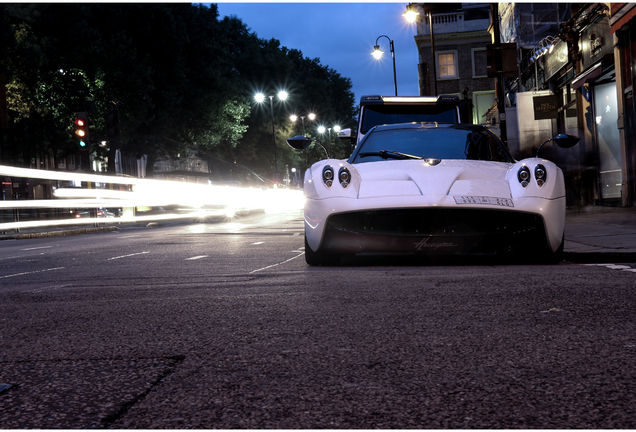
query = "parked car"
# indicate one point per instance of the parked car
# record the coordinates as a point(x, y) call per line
point(99, 213)
point(430, 188)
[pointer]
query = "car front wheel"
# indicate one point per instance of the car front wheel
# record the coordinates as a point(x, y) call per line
point(319, 258)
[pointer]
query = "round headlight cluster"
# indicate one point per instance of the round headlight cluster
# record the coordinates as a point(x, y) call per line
point(344, 176)
point(524, 176)
point(540, 175)
point(327, 175)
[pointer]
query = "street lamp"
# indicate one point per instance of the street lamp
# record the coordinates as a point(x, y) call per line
point(322, 130)
point(260, 98)
point(377, 53)
point(411, 14)
point(294, 117)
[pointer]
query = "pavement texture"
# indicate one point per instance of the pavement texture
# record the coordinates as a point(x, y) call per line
point(600, 234)
point(592, 234)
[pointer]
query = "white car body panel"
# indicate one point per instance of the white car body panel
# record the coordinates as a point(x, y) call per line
point(395, 184)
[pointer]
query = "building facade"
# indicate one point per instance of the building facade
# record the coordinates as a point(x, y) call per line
point(582, 64)
point(459, 39)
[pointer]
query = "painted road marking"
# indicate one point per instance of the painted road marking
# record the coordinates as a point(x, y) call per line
point(257, 243)
point(274, 265)
point(196, 257)
point(41, 247)
point(129, 255)
point(31, 272)
point(614, 267)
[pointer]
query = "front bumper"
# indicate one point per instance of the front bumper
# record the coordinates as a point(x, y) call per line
point(338, 226)
point(434, 231)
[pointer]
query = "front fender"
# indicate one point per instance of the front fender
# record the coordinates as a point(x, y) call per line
point(315, 187)
point(553, 188)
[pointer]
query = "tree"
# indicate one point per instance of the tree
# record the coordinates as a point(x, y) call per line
point(182, 78)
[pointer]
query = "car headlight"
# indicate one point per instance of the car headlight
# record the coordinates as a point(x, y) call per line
point(540, 174)
point(524, 176)
point(327, 175)
point(344, 176)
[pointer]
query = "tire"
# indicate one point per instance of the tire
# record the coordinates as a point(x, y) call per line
point(319, 258)
point(557, 256)
point(550, 257)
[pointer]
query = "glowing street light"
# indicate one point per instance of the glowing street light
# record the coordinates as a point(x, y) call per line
point(410, 15)
point(260, 98)
point(311, 117)
point(377, 53)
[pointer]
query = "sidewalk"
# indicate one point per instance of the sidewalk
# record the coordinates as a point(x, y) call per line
point(600, 235)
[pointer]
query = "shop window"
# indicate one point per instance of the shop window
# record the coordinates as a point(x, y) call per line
point(447, 65)
point(605, 118)
point(479, 63)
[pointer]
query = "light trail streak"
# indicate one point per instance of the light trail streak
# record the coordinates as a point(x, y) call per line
point(174, 200)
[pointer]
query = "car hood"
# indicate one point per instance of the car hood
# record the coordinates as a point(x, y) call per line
point(446, 177)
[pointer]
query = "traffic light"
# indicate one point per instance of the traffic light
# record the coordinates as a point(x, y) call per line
point(81, 130)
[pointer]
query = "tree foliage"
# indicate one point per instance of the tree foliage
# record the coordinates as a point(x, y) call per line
point(185, 80)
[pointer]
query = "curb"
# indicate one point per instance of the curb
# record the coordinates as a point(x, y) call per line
point(61, 233)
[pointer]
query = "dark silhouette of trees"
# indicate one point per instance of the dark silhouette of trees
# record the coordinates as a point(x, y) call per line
point(184, 80)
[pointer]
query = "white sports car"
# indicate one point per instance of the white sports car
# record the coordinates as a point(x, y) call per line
point(429, 188)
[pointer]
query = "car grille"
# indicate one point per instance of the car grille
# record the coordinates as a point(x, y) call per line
point(435, 231)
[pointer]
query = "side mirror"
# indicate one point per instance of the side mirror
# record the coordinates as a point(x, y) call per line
point(347, 134)
point(562, 140)
point(299, 142)
point(565, 140)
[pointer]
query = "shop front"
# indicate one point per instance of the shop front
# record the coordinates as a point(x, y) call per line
point(623, 26)
point(597, 84)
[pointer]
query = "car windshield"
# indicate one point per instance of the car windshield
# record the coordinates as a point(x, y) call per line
point(435, 143)
point(391, 114)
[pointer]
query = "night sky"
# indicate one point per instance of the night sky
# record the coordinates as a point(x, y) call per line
point(342, 36)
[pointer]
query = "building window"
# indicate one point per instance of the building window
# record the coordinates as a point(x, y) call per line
point(480, 63)
point(447, 65)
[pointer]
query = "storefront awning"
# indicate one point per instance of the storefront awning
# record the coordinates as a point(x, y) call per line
point(623, 20)
point(590, 74)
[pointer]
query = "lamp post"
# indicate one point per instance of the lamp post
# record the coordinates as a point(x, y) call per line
point(322, 130)
point(294, 117)
point(260, 97)
point(411, 16)
point(377, 53)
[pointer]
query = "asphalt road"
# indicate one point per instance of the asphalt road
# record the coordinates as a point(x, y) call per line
point(225, 326)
